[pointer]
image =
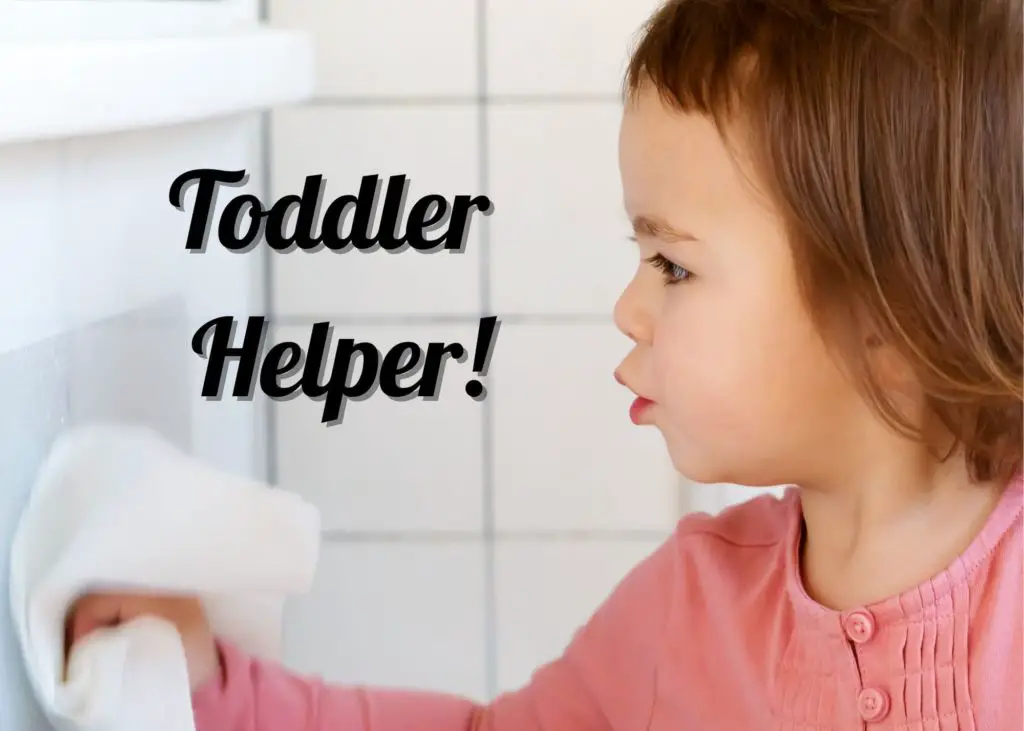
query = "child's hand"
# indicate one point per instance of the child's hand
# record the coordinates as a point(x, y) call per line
point(94, 611)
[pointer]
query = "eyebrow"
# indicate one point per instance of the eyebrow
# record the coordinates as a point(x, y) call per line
point(644, 225)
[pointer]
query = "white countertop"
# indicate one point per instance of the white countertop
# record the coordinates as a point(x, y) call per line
point(68, 88)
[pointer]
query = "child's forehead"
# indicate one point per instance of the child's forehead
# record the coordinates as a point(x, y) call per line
point(669, 158)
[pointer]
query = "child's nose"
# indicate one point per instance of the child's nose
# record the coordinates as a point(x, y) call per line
point(632, 316)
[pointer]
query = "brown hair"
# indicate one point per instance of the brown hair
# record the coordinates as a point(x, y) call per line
point(889, 135)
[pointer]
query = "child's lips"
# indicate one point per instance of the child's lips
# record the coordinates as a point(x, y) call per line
point(640, 405)
point(639, 409)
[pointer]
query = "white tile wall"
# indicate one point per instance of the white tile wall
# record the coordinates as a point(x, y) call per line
point(388, 48)
point(537, 613)
point(566, 455)
point(560, 46)
point(388, 466)
point(437, 149)
point(558, 234)
point(551, 492)
point(407, 614)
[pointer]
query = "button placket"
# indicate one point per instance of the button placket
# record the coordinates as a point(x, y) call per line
point(859, 626)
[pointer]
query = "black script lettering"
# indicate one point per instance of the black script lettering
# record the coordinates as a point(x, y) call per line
point(206, 195)
point(405, 371)
point(433, 224)
point(221, 331)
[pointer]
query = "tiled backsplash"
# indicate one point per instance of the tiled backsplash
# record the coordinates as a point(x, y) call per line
point(558, 237)
point(465, 541)
point(436, 149)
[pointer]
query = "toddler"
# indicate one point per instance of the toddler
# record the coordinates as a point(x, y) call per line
point(826, 196)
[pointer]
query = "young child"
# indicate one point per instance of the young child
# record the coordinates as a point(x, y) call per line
point(827, 199)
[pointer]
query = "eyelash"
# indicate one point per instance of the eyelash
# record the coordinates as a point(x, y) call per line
point(668, 268)
point(674, 274)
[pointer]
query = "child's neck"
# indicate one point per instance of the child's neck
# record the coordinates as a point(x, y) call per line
point(889, 529)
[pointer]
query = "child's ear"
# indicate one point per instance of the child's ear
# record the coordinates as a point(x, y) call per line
point(889, 368)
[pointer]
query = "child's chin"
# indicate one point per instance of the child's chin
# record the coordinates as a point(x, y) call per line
point(692, 467)
point(703, 467)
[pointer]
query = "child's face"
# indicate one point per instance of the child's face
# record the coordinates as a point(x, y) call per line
point(744, 389)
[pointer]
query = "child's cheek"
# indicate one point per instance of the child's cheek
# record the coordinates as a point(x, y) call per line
point(703, 355)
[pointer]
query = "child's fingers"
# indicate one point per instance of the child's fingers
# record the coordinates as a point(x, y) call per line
point(94, 611)
point(90, 613)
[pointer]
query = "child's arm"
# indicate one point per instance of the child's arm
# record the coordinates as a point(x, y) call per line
point(605, 681)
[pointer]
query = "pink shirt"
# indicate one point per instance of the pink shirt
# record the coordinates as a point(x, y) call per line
point(714, 632)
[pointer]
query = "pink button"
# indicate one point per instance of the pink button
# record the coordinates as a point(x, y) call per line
point(859, 626)
point(873, 704)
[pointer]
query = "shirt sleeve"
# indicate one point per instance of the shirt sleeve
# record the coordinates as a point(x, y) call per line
point(605, 680)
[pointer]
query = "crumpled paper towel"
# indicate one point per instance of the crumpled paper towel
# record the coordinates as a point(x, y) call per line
point(117, 507)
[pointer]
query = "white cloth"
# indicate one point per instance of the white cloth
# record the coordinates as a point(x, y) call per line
point(119, 507)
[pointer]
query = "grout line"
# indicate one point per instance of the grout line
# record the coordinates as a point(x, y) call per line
point(530, 99)
point(341, 536)
point(443, 319)
point(555, 320)
point(394, 101)
point(270, 412)
point(455, 100)
point(487, 405)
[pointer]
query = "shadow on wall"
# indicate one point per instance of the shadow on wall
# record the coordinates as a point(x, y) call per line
point(131, 368)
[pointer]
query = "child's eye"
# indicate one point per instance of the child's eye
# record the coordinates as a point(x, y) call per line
point(674, 274)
